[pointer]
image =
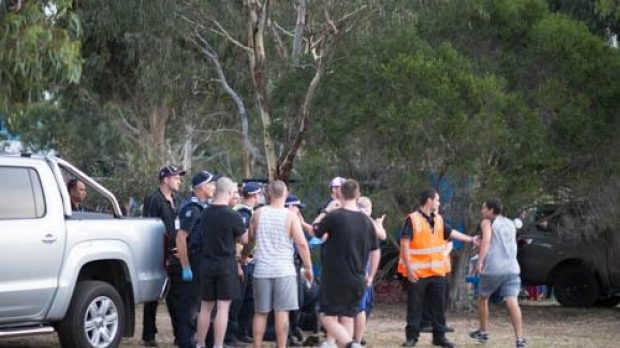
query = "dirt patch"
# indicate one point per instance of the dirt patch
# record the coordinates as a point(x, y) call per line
point(546, 325)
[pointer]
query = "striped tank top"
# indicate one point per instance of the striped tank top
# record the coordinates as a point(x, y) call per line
point(274, 247)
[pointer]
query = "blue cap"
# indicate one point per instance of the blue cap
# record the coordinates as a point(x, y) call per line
point(201, 178)
point(170, 171)
point(250, 188)
point(293, 200)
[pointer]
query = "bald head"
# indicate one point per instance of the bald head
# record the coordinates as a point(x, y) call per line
point(277, 189)
point(224, 187)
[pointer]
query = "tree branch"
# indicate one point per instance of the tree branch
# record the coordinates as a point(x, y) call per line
point(221, 31)
point(299, 30)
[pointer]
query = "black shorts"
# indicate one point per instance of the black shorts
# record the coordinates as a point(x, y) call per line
point(341, 310)
point(224, 287)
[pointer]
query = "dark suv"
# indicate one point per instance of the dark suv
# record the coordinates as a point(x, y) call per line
point(560, 247)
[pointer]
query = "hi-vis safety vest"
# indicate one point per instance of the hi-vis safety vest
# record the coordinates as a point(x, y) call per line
point(426, 248)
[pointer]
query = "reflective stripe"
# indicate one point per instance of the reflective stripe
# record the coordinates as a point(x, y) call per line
point(433, 264)
point(427, 251)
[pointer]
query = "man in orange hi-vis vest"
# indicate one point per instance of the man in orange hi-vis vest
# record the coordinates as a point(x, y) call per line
point(424, 264)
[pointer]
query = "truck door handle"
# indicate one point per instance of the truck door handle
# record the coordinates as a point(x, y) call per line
point(49, 238)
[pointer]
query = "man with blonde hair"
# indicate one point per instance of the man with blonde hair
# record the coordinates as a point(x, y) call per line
point(221, 229)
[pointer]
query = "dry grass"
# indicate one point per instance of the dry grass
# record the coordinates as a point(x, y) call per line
point(546, 325)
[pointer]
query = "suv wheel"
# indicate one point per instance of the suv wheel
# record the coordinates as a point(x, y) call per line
point(95, 317)
point(576, 286)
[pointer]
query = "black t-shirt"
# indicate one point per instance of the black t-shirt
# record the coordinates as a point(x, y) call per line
point(406, 231)
point(351, 238)
point(220, 225)
point(156, 205)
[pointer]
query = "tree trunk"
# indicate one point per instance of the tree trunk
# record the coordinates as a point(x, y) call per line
point(158, 117)
point(188, 148)
point(256, 32)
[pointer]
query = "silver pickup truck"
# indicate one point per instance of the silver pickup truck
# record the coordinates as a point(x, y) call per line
point(79, 274)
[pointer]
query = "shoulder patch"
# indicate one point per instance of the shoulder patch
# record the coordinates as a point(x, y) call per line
point(188, 213)
point(194, 199)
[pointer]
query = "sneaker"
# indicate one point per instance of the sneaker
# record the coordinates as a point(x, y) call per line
point(443, 342)
point(327, 345)
point(482, 337)
point(411, 342)
point(521, 343)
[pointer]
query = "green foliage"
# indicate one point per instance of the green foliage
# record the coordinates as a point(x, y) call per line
point(40, 50)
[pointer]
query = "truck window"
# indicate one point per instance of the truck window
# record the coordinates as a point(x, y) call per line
point(22, 194)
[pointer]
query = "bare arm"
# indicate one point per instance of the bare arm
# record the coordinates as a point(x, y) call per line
point(485, 225)
point(379, 229)
point(454, 234)
point(243, 239)
point(182, 251)
point(404, 245)
point(374, 257)
point(306, 226)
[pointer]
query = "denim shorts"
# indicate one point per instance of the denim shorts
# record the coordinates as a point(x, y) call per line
point(508, 284)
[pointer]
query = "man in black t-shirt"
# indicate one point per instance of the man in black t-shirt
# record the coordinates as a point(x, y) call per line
point(221, 229)
point(351, 242)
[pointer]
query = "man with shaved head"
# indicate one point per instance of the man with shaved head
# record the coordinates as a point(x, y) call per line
point(221, 229)
point(275, 229)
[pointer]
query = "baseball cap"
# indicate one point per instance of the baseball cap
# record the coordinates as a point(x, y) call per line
point(337, 181)
point(202, 177)
point(170, 171)
point(250, 188)
point(291, 199)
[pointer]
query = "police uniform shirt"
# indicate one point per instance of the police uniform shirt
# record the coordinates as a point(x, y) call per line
point(189, 214)
point(246, 214)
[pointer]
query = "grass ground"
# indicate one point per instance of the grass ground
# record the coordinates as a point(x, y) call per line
point(546, 325)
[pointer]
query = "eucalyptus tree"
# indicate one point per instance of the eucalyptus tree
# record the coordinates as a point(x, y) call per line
point(283, 41)
point(39, 51)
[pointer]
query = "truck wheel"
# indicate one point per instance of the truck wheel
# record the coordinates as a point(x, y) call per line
point(95, 317)
point(576, 286)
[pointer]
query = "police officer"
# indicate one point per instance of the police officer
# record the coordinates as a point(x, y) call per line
point(239, 318)
point(189, 247)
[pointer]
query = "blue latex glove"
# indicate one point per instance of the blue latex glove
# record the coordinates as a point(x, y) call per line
point(187, 274)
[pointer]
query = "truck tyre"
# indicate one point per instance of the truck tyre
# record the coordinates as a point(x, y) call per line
point(95, 318)
point(576, 286)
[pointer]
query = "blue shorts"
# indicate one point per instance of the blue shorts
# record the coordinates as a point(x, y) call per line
point(366, 302)
point(508, 284)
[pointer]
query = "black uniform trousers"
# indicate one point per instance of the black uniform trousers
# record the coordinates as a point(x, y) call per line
point(172, 302)
point(426, 292)
point(189, 304)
